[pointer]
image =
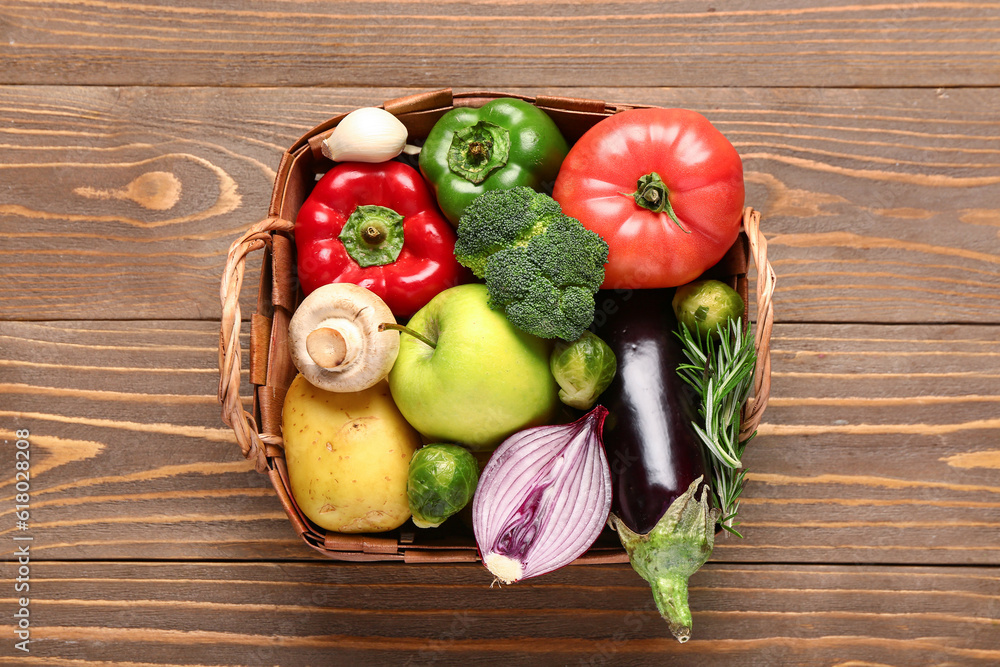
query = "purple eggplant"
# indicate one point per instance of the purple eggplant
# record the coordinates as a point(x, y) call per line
point(660, 505)
point(654, 453)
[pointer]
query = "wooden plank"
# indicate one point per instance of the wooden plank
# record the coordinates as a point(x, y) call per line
point(876, 442)
point(879, 446)
point(299, 614)
point(129, 455)
point(880, 205)
point(680, 43)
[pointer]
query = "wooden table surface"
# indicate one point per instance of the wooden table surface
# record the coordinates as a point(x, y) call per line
point(139, 139)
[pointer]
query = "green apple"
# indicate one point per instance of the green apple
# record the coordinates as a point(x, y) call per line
point(484, 379)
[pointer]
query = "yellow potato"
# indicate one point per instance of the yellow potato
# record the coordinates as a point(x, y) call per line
point(348, 455)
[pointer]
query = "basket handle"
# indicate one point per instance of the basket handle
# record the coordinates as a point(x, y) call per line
point(754, 410)
point(242, 422)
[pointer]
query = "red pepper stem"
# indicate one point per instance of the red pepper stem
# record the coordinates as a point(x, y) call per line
point(407, 330)
point(652, 193)
point(373, 234)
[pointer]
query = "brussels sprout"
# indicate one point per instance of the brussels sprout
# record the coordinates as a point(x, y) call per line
point(583, 369)
point(705, 305)
point(441, 482)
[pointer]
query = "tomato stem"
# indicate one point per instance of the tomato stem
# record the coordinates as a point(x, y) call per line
point(652, 193)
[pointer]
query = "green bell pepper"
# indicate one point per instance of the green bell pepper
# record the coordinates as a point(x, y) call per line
point(501, 145)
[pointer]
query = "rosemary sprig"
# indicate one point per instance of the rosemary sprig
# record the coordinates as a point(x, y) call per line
point(721, 372)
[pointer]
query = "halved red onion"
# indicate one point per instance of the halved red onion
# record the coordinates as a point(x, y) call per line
point(543, 498)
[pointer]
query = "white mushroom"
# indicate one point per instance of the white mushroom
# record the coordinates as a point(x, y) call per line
point(335, 341)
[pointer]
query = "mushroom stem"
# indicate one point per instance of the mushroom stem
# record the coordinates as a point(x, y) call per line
point(327, 347)
point(333, 338)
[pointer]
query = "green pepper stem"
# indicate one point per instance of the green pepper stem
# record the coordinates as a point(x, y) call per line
point(478, 151)
point(407, 330)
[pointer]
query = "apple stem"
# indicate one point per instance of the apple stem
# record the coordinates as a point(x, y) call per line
point(416, 334)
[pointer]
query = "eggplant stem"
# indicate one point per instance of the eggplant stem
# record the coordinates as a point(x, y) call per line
point(671, 597)
point(679, 544)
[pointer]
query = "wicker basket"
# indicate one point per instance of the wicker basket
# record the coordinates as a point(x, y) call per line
point(258, 431)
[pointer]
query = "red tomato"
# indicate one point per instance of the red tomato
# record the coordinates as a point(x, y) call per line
point(663, 187)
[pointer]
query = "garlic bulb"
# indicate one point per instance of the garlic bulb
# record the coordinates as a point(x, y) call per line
point(366, 135)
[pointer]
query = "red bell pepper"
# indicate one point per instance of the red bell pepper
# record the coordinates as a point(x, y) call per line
point(663, 187)
point(377, 226)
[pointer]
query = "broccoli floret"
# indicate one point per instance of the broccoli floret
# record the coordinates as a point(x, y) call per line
point(541, 267)
point(499, 219)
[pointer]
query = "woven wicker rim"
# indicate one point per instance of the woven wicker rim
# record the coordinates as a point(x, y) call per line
point(265, 449)
point(753, 411)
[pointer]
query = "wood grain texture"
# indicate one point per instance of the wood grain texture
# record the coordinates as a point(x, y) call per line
point(317, 613)
point(879, 446)
point(139, 140)
point(880, 205)
point(480, 43)
point(130, 457)
point(877, 438)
